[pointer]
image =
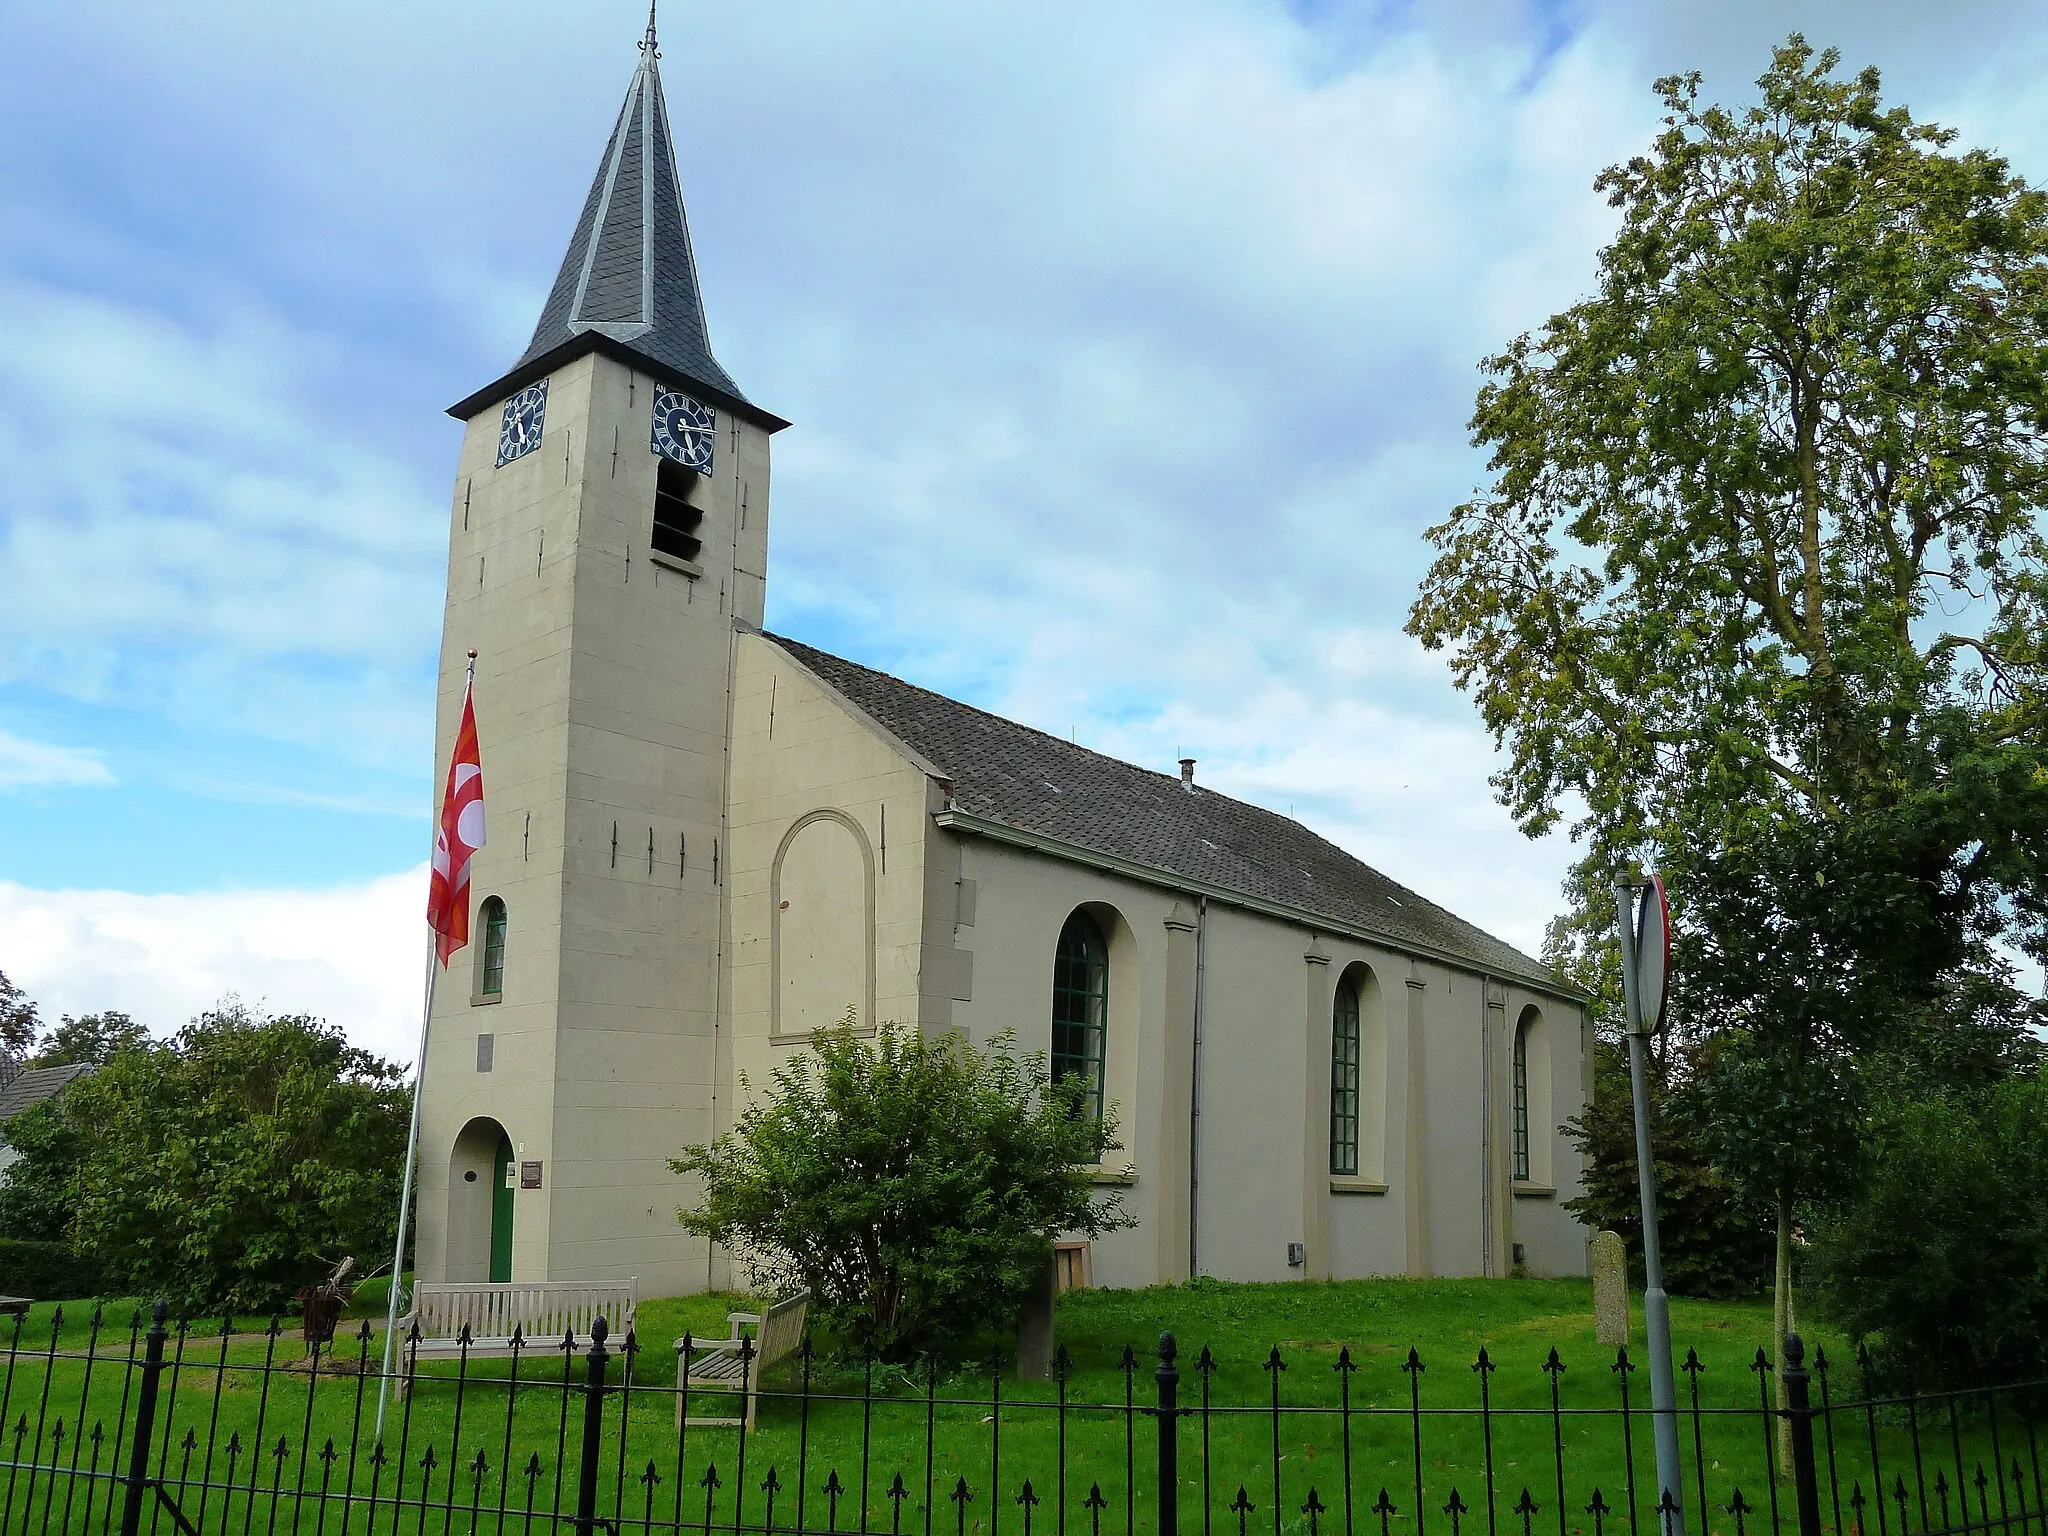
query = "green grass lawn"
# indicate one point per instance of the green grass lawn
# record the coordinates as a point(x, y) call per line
point(993, 1430)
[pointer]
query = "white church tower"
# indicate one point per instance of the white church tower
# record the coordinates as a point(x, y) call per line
point(608, 535)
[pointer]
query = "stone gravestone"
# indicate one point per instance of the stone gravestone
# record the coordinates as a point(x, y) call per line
point(1610, 1290)
point(1034, 1326)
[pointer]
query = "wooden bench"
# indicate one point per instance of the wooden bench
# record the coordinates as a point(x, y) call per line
point(540, 1314)
point(718, 1365)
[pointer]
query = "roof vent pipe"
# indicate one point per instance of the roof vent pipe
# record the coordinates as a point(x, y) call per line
point(1187, 774)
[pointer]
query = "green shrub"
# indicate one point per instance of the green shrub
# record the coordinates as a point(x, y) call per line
point(46, 1271)
point(912, 1184)
point(1715, 1244)
point(36, 1198)
point(232, 1165)
point(1940, 1264)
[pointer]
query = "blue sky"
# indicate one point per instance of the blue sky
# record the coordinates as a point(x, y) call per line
point(1128, 350)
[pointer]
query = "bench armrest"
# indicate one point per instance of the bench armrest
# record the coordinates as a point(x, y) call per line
point(735, 1319)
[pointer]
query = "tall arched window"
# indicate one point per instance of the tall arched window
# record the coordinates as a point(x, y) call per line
point(490, 955)
point(1344, 1059)
point(1521, 1130)
point(1080, 1006)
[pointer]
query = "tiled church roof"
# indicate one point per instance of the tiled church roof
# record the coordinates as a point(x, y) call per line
point(1038, 784)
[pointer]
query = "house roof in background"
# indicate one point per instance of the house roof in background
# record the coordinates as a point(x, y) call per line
point(1038, 784)
point(33, 1085)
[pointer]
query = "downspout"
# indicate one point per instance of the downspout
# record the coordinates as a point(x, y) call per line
point(1485, 1127)
point(1195, 1093)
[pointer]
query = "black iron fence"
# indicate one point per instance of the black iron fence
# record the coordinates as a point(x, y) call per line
point(116, 1427)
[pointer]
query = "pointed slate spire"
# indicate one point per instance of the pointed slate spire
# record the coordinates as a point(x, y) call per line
point(628, 282)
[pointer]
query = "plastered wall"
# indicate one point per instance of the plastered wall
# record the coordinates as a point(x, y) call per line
point(829, 816)
point(1433, 1195)
point(603, 692)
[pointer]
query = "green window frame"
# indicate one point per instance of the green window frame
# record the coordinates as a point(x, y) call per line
point(1344, 1058)
point(490, 974)
point(1521, 1128)
point(1080, 1006)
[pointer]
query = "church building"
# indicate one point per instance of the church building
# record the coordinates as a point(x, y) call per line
point(707, 840)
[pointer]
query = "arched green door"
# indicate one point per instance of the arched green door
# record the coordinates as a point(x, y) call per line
point(502, 1189)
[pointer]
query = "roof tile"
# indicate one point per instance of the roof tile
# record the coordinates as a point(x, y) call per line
point(1005, 772)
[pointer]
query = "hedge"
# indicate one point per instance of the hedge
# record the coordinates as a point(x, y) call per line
point(46, 1271)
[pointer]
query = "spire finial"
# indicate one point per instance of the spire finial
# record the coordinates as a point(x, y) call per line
point(647, 43)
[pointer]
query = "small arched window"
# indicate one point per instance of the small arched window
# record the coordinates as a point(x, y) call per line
point(1521, 1128)
point(1344, 1060)
point(1080, 1007)
point(490, 955)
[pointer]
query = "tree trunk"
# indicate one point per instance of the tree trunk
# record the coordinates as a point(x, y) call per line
point(1781, 1324)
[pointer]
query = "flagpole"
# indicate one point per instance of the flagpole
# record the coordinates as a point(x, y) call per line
point(412, 1146)
point(412, 1141)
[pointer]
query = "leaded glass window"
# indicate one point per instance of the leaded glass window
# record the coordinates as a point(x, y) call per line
point(1080, 1007)
point(491, 971)
point(1344, 1081)
point(1521, 1136)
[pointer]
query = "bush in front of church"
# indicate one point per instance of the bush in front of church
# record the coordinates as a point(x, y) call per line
point(1939, 1262)
point(221, 1169)
point(910, 1182)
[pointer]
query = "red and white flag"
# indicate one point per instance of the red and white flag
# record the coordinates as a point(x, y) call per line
point(459, 836)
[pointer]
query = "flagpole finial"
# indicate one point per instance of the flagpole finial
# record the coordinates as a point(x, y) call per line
point(472, 653)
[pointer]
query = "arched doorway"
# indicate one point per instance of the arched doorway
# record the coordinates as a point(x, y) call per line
point(481, 1187)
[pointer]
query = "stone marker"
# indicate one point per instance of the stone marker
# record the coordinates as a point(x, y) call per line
point(1610, 1290)
point(1034, 1326)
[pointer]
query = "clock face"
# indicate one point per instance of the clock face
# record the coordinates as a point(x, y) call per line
point(524, 414)
point(683, 430)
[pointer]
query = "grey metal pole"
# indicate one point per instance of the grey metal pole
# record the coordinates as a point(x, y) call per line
point(412, 1148)
point(412, 1143)
point(1656, 1306)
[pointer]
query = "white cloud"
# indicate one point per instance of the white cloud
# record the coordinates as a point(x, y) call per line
point(350, 954)
point(183, 528)
point(1129, 348)
point(24, 763)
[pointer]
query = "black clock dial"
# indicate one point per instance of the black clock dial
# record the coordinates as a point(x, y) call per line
point(683, 430)
point(525, 415)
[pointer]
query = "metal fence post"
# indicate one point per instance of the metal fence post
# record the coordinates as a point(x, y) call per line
point(593, 1430)
point(145, 1423)
point(1799, 1417)
point(1168, 1379)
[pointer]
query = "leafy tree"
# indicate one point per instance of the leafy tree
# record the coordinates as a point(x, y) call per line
point(92, 1040)
point(911, 1183)
point(1761, 580)
point(18, 1020)
point(1940, 1263)
point(1716, 1243)
point(36, 1192)
point(232, 1164)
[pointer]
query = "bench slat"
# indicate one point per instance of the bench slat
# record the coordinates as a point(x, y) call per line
point(541, 1312)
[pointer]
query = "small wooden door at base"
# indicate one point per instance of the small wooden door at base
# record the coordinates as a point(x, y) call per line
point(503, 1189)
